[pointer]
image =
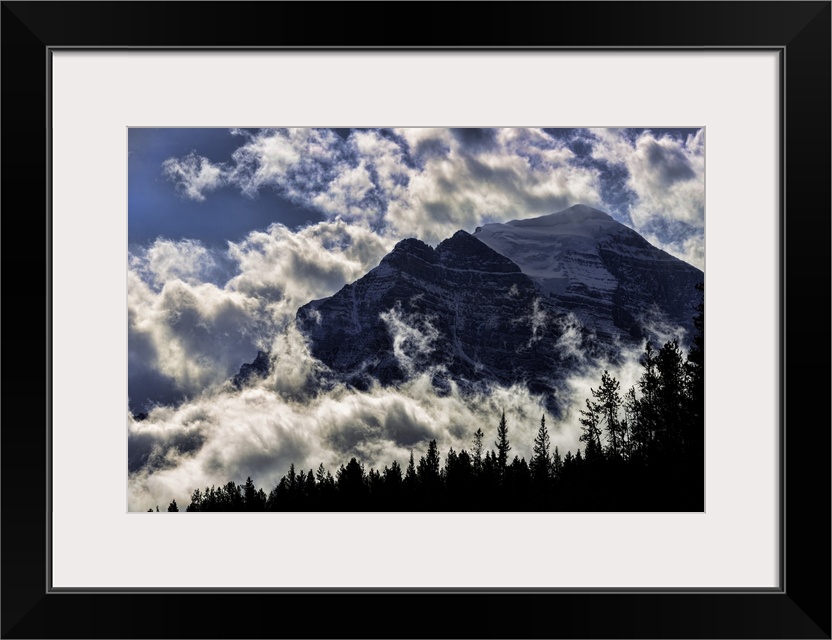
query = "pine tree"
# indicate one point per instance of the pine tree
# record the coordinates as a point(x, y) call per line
point(638, 435)
point(610, 402)
point(393, 478)
point(196, 501)
point(670, 367)
point(648, 405)
point(541, 465)
point(557, 464)
point(695, 391)
point(477, 450)
point(591, 436)
point(428, 469)
point(411, 480)
point(502, 444)
point(249, 495)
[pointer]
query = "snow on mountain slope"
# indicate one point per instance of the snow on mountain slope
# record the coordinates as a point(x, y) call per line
point(611, 278)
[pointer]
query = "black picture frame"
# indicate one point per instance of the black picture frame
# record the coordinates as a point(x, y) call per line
point(800, 608)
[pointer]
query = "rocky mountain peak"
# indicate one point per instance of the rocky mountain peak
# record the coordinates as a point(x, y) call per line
point(494, 307)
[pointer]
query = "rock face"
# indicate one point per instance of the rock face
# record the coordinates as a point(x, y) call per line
point(259, 367)
point(520, 302)
point(462, 309)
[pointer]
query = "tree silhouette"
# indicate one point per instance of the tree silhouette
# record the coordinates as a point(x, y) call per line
point(502, 444)
point(591, 419)
point(430, 481)
point(477, 450)
point(541, 464)
point(557, 464)
point(609, 403)
point(695, 392)
point(172, 507)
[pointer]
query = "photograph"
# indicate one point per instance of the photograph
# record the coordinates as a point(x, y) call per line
point(417, 313)
point(416, 319)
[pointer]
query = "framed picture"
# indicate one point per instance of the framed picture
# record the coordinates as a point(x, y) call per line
point(735, 97)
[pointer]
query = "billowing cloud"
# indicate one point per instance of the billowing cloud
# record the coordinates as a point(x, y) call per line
point(166, 260)
point(429, 183)
point(190, 328)
point(192, 336)
point(276, 421)
point(290, 268)
point(667, 175)
point(194, 175)
point(426, 183)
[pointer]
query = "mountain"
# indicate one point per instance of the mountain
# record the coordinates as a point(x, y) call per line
point(525, 302)
point(461, 310)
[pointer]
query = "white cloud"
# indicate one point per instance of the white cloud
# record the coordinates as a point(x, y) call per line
point(426, 183)
point(191, 334)
point(290, 268)
point(262, 429)
point(667, 174)
point(194, 335)
point(164, 260)
point(413, 337)
point(519, 173)
point(194, 175)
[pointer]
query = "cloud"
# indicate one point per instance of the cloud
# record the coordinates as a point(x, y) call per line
point(194, 175)
point(187, 333)
point(194, 336)
point(290, 268)
point(279, 420)
point(164, 260)
point(414, 338)
point(511, 173)
point(429, 183)
point(667, 175)
point(426, 183)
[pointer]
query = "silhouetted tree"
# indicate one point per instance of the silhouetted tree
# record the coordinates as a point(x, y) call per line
point(196, 501)
point(250, 495)
point(695, 369)
point(541, 464)
point(609, 402)
point(557, 464)
point(590, 419)
point(351, 483)
point(393, 484)
point(477, 450)
point(430, 482)
point(670, 366)
point(503, 447)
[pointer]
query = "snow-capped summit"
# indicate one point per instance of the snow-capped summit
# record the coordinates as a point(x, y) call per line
point(584, 261)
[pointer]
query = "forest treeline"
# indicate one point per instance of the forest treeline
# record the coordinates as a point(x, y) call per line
point(643, 450)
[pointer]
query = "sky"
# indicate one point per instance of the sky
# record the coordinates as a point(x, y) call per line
point(231, 230)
